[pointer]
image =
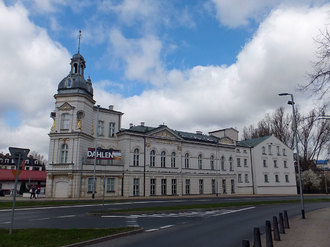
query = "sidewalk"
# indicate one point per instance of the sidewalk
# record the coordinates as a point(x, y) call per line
point(314, 231)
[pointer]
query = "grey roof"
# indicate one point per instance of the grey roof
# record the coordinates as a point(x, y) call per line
point(184, 135)
point(75, 82)
point(252, 142)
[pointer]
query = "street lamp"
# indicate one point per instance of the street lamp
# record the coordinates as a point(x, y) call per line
point(291, 102)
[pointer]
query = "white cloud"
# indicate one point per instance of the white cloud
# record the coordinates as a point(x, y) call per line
point(33, 67)
point(141, 57)
point(235, 13)
point(210, 97)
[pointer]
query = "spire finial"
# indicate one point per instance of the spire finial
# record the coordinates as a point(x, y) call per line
point(79, 42)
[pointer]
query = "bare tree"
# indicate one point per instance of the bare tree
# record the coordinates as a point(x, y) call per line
point(320, 76)
point(313, 132)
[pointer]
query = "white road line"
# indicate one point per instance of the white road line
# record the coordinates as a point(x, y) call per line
point(47, 218)
point(6, 222)
point(66, 216)
point(164, 227)
point(113, 216)
point(151, 230)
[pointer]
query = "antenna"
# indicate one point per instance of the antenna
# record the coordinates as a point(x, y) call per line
point(79, 42)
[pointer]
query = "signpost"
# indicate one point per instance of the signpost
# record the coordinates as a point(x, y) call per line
point(18, 155)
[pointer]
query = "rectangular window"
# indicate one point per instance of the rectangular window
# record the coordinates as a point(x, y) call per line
point(136, 186)
point(275, 164)
point(100, 128)
point(111, 129)
point(213, 186)
point(278, 150)
point(285, 164)
point(270, 149)
point(163, 186)
point(224, 189)
point(65, 121)
point(173, 186)
point(232, 183)
point(266, 178)
point(284, 153)
point(245, 163)
point(90, 185)
point(188, 186)
point(287, 178)
point(264, 163)
point(246, 178)
point(201, 186)
point(276, 178)
point(152, 186)
point(110, 184)
point(239, 178)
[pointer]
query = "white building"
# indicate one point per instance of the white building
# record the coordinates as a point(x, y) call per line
point(151, 161)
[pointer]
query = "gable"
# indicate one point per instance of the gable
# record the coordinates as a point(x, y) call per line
point(226, 140)
point(66, 107)
point(166, 134)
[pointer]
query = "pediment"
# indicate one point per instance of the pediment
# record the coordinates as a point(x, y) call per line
point(226, 140)
point(66, 107)
point(166, 134)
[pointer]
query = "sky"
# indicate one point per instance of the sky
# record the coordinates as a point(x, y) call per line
point(190, 64)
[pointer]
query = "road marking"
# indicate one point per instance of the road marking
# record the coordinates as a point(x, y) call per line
point(66, 216)
point(42, 219)
point(152, 230)
point(164, 227)
point(113, 216)
point(6, 222)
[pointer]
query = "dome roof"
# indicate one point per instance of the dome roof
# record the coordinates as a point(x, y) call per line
point(75, 82)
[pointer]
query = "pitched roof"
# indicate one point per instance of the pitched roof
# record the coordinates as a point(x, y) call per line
point(7, 175)
point(252, 142)
point(184, 135)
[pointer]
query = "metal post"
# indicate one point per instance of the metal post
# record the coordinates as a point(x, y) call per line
point(297, 152)
point(280, 217)
point(269, 239)
point(298, 159)
point(276, 231)
point(96, 134)
point(325, 181)
point(21, 154)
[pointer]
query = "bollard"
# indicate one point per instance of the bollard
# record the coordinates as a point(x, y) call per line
point(257, 240)
point(286, 220)
point(282, 231)
point(245, 243)
point(276, 231)
point(269, 240)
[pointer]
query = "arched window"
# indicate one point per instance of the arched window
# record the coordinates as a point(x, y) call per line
point(212, 162)
point(200, 162)
point(136, 157)
point(173, 159)
point(64, 153)
point(263, 150)
point(75, 68)
point(65, 121)
point(152, 158)
point(163, 159)
point(223, 168)
point(186, 160)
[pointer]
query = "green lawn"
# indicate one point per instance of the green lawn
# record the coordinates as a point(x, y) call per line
point(41, 237)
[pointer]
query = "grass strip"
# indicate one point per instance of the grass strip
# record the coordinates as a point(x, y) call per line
point(206, 206)
point(42, 237)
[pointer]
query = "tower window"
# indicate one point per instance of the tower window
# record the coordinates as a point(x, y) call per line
point(64, 153)
point(75, 68)
point(65, 121)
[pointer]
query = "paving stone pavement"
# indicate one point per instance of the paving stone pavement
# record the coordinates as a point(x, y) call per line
point(313, 231)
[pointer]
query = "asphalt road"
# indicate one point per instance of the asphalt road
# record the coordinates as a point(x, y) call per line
point(225, 227)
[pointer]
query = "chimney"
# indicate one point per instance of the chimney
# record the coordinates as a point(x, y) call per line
point(198, 132)
point(142, 124)
point(111, 107)
point(130, 125)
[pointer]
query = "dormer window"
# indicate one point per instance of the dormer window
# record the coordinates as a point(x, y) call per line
point(69, 83)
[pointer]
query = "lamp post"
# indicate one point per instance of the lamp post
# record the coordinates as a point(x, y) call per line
point(291, 102)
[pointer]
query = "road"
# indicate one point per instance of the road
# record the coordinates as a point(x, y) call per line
point(197, 228)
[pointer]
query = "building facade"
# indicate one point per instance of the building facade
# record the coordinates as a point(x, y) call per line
point(148, 161)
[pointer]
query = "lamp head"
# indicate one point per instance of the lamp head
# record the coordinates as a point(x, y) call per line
point(283, 94)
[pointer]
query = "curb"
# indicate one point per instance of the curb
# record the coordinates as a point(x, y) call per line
point(105, 238)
